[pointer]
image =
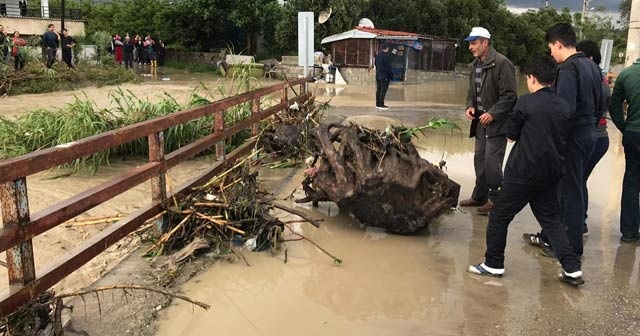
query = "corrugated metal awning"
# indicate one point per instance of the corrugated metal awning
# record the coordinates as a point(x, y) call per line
point(351, 34)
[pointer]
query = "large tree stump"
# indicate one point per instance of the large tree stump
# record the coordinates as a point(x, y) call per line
point(379, 178)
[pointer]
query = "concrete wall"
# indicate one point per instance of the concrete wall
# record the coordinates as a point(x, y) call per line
point(195, 57)
point(36, 26)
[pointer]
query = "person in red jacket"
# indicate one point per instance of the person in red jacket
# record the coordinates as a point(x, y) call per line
point(17, 44)
point(117, 44)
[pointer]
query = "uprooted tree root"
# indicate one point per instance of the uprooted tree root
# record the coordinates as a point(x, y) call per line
point(378, 177)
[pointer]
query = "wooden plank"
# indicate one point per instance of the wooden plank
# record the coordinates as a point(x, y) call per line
point(41, 160)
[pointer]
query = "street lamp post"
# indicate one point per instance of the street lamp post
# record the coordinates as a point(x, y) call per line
point(61, 15)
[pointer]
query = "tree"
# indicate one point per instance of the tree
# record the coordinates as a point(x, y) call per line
point(625, 13)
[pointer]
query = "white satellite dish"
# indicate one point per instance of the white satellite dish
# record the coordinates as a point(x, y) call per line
point(364, 22)
point(324, 16)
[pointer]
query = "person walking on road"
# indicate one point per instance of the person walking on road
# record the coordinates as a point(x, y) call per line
point(491, 97)
point(627, 88)
point(539, 126)
point(384, 75)
point(579, 82)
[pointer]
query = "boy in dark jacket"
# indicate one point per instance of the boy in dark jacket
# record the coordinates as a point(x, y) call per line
point(579, 82)
point(540, 126)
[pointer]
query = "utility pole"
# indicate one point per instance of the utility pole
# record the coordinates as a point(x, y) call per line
point(633, 39)
point(546, 3)
point(61, 15)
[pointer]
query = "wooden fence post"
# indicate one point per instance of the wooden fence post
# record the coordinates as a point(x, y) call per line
point(158, 183)
point(15, 213)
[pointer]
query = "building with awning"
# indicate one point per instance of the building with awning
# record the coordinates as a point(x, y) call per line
point(357, 48)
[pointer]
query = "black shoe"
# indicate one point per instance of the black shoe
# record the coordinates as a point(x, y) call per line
point(533, 239)
point(626, 239)
point(547, 251)
point(572, 280)
point(585, 230)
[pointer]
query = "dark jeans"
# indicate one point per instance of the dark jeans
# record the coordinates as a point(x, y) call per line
point(51, 57)
point(381, 91)
point(602, 145)
point(128, 60)
point(66, 57)
point(18, 62)
point(487, 161)
point(630, 213)
point(571, 188)
point(544, 204)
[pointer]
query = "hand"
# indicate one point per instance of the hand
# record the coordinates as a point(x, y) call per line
point(470, 112)
point(486, 118)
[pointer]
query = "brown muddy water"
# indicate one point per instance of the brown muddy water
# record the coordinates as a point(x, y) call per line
point(417, 285)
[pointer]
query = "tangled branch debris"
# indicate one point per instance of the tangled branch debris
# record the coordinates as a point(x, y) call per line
point(375, 175)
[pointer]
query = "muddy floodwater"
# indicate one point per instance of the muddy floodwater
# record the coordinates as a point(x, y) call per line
point(417, 285)
point(387, 284)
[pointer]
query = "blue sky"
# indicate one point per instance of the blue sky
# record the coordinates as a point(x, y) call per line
point(574, 5)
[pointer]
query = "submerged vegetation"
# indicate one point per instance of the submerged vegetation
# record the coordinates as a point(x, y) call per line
point(44, 128)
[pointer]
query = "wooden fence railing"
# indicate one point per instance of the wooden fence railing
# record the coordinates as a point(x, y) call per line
point(20, 226)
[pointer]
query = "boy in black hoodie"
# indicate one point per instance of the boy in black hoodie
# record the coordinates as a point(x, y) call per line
point(539, 124)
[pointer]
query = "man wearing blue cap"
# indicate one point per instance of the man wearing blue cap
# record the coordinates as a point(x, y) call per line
point(492, 95)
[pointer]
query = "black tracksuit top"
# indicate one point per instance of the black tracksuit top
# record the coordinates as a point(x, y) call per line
point(540, 123)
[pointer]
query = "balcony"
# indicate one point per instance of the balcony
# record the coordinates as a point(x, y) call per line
point(42, 12)
point(34, 19)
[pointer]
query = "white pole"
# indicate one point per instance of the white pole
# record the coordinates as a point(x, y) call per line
point(306, 47)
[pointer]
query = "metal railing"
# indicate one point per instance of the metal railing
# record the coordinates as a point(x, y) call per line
point(33, 11)
point(21, 226)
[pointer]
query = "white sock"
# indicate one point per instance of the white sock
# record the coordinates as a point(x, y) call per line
point(575, 274)
point(493, 270)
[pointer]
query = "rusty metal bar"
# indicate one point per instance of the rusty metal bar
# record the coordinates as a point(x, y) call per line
point(158, 182)
point(218, 128)
point(28, 164)
point(15, 214)
point(255, 109)
point(10, 301)
point(49, 218)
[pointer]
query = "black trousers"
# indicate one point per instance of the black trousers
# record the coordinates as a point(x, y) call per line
point(18, 62)
point(487, 161)
point(602, 145)
point(544, 204)
point(128, 60)
point(381, 91)
point(571, 188)
point(51, 56)
point(66, 57)
point(630, 207)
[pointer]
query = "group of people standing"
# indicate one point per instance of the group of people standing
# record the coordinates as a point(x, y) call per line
point(145, 51)
point(50, 41)
point(12, 46)
point(559, 130)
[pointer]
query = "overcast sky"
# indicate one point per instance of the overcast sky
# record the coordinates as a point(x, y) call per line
point(574, 5)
